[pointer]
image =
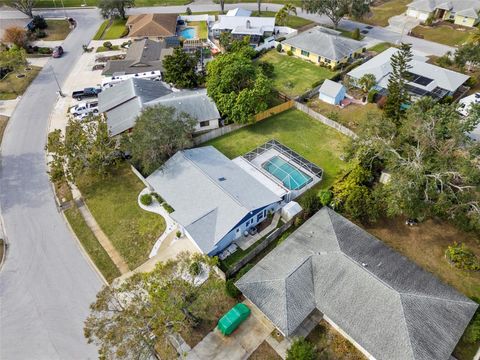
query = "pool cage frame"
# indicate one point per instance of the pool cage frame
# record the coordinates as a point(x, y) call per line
point(291, 155)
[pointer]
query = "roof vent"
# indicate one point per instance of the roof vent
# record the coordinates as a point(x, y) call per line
point(364, 264)
point(221, 179)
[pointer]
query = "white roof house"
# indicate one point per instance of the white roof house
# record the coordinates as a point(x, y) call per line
point(332, 92)
point(239, 12)
point(423, 8)
point(426, 79)
point(463, 108)
point(210, 194)
point(245, 25)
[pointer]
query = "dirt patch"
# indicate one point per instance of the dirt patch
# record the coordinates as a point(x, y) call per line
point(3, 125)
point(264, 352)
point(426, 243)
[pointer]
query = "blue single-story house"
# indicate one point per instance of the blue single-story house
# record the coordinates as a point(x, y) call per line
point(214, 200)
point(332, 92)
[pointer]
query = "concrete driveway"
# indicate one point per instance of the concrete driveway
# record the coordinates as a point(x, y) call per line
point(402, 24)
point(239, 345)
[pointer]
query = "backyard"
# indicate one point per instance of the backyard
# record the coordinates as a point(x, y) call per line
point(437, 33)
point(12, 86)
point(57, 30)
point(293, 76)
point(313, 140)
point(113, 202)
point(380, 14)
point(425, 244)
point(110, 30)
point(351, 116)
point(202, 28)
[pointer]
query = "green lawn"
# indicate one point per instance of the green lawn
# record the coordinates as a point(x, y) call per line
point(98, 35)
point(316, 142)
point(293, 76)
point(351, 116)
point(113, 203)
point(380, 14)
point(202, 29)
point(112, 31)
point(381, 47)
point(57, 30)
point(11, 86)
point(295, 22)
point(297, 3)
point(443, 34)
point(78, 3)
point(91, 245)
point(103, 48)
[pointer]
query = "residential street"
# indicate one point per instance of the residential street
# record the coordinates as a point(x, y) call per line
point(46, 283)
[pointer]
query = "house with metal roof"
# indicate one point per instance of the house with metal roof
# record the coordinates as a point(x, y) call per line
point(142, 56)
point(323, 46)
point(122, 104)
point(158, 26)
point(257, 28)
point(239, 12)
point(385, 304)
point(461, 12)
point(332, 92)
point(424, 79)
point(214, 200)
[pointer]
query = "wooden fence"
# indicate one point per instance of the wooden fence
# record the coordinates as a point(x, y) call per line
point(275, 110)
point(323, 119)
point(259, 248)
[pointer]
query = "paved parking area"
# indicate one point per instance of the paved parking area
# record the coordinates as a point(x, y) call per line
point(239, 345)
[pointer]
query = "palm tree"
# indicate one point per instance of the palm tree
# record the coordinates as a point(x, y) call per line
point(475, 38)
point(222, 6)
point(259, 4)
point(281, 17)
point(289, 9)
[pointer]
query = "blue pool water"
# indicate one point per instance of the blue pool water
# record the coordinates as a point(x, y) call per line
point(188, 33)
point(289, 175)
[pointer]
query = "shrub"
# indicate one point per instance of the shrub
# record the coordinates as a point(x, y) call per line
point(472, 333)
point(157, 197)
point(298, 221)
point(372, 94)
point(243, 271)
point(231, 289)
point(125, 44)
point(107, 44)
point(279, 47)
point(356, 34)
point(447, 99)
point(188, 11)
point(44, 50)
point(39, 22)
point(168, 208)
point(195, 268)
point(301, 349)
point(325, 197)
point(267, 68)
point(146, 199)
point(310, 203)
point(471, 82)
point(289, 52)
point(462, 257)
point(179, 234)
point(317, 83)
point(40, 34)
point(444, 61)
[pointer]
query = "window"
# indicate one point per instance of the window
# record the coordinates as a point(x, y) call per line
point(305, 53)
point(260, 216)
point(204, 123)
point(292, 49)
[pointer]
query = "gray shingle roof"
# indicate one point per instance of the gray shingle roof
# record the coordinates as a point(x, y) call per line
point(194, 102)
point(325, 42)
point(123, 102)
point(209, 193)
point(467, 8)
point(391, 307)
point(142, 56)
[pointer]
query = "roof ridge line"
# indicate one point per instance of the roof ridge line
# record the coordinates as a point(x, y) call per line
point(405, 323)
point(212, 181)
point(435, 297)
point(202, 216)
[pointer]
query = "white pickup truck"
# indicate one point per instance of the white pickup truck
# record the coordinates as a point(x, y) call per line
point(84, 108)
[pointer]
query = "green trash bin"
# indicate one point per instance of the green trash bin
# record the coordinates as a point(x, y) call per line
point(233, 318)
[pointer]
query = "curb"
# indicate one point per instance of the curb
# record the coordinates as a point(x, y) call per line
point(66, 7)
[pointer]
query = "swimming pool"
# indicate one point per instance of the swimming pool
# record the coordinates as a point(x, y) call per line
point(188, 33)
point(291, 177)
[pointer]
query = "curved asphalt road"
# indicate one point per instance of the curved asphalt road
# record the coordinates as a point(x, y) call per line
point(46, 284)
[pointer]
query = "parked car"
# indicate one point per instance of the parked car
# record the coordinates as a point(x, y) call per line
point(86, 93)
point(57, 52)
point(85, 108)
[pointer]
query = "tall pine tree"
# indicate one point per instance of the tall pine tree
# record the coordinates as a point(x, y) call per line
point(397, 84)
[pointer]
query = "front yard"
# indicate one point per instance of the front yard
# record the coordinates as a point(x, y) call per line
point(293, 76)
point(113, 203)
point(443, 34)
point(351, 116)
point(313, 140)
point(110, 31)
point(57, 30)
point(12, 86)
point(293, 21)
point(425, 244)
point(380, 14)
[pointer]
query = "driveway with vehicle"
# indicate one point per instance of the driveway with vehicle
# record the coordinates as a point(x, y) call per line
point(46, 283)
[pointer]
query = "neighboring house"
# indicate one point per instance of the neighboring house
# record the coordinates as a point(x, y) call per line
point(332, 92)
point(124, 102)
point(257, 28)
point(214, 200)
point(323, 46)
point(386, 305)
point(159, 26)
point(142, 56)
point(461, 12)
point(239, 12)
point(196, 103)
point(425, 79)
point(464, 106)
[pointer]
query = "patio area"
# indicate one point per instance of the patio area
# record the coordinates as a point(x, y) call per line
point(244, 242)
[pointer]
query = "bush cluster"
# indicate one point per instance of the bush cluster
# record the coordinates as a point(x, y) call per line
point(462, 257)
point(146, 199)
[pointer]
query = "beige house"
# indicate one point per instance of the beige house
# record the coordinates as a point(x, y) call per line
point(152, 25)
point(324, 47)
point(461, 12)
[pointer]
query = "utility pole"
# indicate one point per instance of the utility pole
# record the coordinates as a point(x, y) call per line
point(56, 80)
